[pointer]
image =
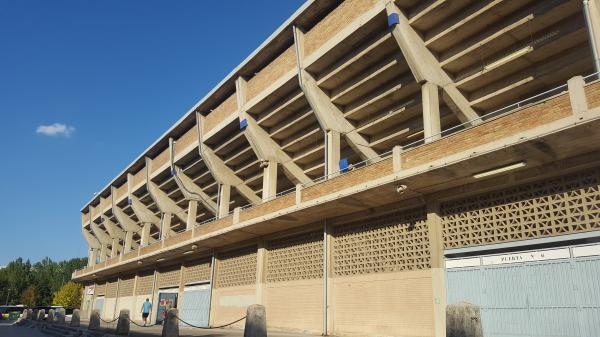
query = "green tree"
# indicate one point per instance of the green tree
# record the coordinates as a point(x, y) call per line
point(29, 297)
point(45, 277)
point(69, 295)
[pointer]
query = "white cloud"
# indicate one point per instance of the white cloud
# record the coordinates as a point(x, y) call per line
point(56, 129)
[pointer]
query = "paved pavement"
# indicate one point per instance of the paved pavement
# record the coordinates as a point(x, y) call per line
point(136, 331)
point(8, 330)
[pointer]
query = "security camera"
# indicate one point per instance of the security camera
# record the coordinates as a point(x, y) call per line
point(264, 163)
point(401, 188)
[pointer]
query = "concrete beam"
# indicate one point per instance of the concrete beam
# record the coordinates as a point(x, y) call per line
point(92, 241)
point(100, 234)
point(122, 218)
point(219, 170)
point(329, 116)
point(191, 191)
point(265, 148)
point(592, 12)
point(188, 188)
point(425, 67)
point(164, 203)
point(113, 230)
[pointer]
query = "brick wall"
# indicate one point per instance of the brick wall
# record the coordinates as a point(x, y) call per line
point(220, 113)
point(268, 207)
point(350, 179)
point(284, 63)
point(592, 93)
point(334, 22)
point(528, 118)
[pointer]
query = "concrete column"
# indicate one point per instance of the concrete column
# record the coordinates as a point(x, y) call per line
point(165, 225)
point(333, 152)
point(224, 197)
point(579, 104)
point(93, 253)
point(269, 180)
point(114, 251)
point(431, 111)
point(128, 242)
point(145, 239)
point(191, 215)
point(397, 158)
point(436, 247)
point(261, 269)
point(103, 252)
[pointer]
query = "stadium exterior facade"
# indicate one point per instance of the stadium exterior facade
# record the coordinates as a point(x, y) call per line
point(368, 164)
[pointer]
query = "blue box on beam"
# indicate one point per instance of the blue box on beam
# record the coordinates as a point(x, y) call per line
point(344, 165)
point(393, 19)
point(243, 124)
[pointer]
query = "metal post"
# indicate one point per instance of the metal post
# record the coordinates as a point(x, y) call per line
point(212, 281)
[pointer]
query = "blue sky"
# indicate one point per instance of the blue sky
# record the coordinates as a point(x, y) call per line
point(86, 86)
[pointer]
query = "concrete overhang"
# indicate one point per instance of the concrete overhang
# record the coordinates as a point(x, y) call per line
point(306, 16)
point(566, 145)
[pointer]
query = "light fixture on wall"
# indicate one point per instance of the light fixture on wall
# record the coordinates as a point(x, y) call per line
point(160, 260)
point(500, 169)
point(188, 252)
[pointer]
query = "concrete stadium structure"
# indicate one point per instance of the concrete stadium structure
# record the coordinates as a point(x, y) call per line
point(368, 164)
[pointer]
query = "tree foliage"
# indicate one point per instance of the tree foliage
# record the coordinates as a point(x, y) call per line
point(29, 296)
point(69, 295)
point(45, 278)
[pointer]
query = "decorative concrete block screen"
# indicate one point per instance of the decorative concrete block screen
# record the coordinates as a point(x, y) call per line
point(296, 258)
point(388, 243)
point(196, 272)
point(236, 268)
point(568, 204)
point(144, 284)
point(168, 277)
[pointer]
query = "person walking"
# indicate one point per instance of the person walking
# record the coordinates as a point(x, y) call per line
point(146, 308)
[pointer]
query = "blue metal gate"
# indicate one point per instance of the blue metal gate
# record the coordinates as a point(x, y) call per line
point(195, 305)
point(529, 297)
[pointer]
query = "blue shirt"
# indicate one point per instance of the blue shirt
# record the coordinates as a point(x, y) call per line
point(146, 307)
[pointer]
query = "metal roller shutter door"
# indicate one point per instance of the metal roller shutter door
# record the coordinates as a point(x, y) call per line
point(196, 304)
point(531, 294)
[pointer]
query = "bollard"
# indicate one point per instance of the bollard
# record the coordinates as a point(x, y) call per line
point(50, 318)
point(256, 321)
point(171, 324)
point(94, 320)
point(463, 320)
point(41, 314)
point(75, 319)
point(25, 315)
point(60, 315)
point(123, 323)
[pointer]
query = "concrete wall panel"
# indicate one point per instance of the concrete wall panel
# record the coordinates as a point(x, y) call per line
point(386, 304)
point(295, 305)
point(229, 304)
